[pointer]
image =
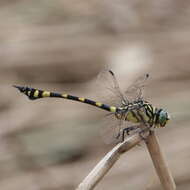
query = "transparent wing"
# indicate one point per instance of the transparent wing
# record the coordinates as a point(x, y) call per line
point(110, 88)
point(110, 129)
point(135, 91)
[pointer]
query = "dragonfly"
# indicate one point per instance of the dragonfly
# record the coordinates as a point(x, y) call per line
point(131, 106)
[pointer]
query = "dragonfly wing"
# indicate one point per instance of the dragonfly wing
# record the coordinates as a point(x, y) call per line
point(110, 129)
point(110, 88)
point(135, 91)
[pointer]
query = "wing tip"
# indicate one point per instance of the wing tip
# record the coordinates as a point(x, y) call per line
point(111, 72)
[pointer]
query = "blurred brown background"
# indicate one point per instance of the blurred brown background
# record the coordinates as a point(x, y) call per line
point(52, 144)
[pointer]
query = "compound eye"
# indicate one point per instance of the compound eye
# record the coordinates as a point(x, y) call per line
point(162, 118)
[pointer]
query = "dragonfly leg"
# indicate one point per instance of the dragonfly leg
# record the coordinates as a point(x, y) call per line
point(127, 131)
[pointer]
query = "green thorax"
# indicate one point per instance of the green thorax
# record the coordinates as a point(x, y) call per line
point(137, 112)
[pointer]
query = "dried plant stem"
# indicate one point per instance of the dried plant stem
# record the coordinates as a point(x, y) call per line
point(111, 157)
point(107, 162)
point(159, 162)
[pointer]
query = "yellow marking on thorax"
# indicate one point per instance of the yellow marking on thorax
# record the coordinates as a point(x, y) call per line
point(82, 99)
point(98, 104)
point(36, 93)
point(154, 121)
point(113, 109)
point(154, 110)
point(65, 95)
point(45, 94)
point(145, 117)
point(130, 117)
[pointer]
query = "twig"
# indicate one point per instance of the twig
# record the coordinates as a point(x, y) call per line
point(107, 162)
point(159, 162)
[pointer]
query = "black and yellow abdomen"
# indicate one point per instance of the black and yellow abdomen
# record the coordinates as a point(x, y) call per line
point(34, 94)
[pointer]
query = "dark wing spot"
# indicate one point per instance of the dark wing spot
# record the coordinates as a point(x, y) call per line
point(111, 72)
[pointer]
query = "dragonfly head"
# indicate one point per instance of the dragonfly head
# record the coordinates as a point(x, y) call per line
point(163, 118)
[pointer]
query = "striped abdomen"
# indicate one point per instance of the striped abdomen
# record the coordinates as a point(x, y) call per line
point(34, 94)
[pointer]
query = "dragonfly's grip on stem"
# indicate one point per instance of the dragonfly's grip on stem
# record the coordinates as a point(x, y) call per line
point(111, 157)
point(159, 162)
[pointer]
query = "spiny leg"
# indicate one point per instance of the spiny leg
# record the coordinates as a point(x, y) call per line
point(127, 131)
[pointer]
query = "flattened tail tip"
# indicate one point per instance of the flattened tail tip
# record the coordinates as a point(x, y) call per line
point(20, 88)
point(15, 86)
